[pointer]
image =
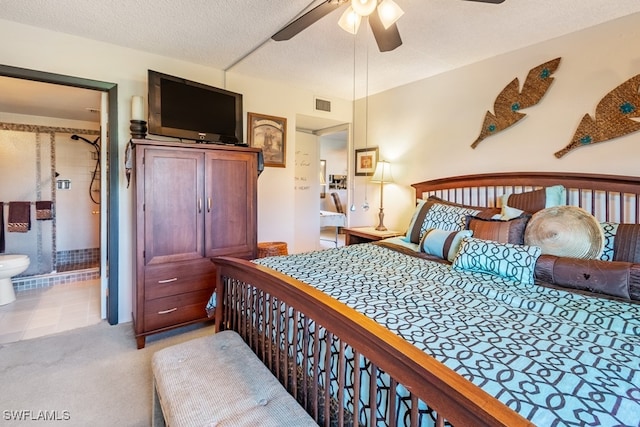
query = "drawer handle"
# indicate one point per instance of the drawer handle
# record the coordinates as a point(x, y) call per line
point(168, 280)
point(171, 310)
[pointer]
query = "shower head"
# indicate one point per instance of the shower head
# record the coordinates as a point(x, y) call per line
point(94, 143)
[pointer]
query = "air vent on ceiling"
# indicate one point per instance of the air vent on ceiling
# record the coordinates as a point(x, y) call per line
point(323, 105)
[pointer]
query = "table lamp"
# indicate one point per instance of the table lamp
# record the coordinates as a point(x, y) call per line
point(382, 175)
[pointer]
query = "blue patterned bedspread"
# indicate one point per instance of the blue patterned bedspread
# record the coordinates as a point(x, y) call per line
point(555, 357)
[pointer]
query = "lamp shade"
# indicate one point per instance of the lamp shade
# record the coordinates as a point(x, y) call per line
point(389, 12)
point(350, 21)
point(382, 172)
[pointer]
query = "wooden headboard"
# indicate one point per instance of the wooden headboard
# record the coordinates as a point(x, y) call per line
point(608, 197)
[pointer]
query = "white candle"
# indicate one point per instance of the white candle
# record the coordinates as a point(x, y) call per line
point(137, 108)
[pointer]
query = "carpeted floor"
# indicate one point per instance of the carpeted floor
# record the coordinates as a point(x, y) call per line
point(91, 376)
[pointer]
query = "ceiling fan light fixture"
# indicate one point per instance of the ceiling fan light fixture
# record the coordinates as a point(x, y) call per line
point(350, 21)
point(389, 12)
point(364, 7)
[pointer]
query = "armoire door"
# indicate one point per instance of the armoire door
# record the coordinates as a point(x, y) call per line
point(230, 193)
point(173, 205)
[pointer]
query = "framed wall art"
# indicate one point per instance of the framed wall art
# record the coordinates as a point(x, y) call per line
point(366, 159)
point(270, 134)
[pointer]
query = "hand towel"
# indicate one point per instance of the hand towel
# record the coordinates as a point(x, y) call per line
point(19, 217)
point(44, 210)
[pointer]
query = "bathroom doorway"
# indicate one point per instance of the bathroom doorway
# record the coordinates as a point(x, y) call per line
point(108, 208)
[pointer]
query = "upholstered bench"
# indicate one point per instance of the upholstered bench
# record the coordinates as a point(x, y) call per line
point(218, 381)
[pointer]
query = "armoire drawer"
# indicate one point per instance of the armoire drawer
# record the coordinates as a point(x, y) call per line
point(178, 277)
point(175, 309)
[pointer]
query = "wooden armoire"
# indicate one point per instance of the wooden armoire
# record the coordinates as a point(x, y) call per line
point(193, 202)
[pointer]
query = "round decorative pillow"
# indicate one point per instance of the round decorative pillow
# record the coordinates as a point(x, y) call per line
point(565, 231)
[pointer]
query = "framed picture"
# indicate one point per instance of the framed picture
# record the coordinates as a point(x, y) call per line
point(366, 159)
point(270, 134)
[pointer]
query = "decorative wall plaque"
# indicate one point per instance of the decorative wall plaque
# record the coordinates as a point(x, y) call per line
point(510, 101)
point(614, 117)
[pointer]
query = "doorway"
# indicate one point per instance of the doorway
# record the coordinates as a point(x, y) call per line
point(334, 158)
point(332, 144)
point(109, 259)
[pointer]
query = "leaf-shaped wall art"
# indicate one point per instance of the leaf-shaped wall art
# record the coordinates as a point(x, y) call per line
point(614, 117)
point(506, 109)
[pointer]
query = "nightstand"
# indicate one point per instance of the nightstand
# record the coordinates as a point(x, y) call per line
point(356, 235)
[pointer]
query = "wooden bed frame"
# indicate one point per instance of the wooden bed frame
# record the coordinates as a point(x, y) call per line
point(248, 293)
point(607, 197)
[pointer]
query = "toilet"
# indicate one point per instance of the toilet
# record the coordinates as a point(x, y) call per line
point(10, 266)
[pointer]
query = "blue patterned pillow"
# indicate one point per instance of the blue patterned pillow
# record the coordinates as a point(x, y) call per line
point(446, 217)
point(513, 262)
point(609, 229)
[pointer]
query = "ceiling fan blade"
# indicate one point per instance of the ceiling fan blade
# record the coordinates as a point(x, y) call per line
point(387, 39)
point(306, 20)
point(489, 1)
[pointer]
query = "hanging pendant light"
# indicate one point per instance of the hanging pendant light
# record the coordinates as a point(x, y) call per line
point(365, 206)
point(353, 117)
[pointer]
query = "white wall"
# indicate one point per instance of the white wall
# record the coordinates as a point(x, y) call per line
point(43, 50)
point(426, 128)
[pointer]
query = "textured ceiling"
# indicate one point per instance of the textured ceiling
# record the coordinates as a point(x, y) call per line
point(234, 35)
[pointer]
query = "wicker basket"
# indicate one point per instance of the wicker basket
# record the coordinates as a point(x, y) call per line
point(266, 249)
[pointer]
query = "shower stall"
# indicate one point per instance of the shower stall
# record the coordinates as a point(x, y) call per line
point(61, 166)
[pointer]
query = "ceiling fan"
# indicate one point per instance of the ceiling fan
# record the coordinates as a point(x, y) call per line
point(382, 17)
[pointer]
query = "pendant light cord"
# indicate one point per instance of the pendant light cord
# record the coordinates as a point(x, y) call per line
point(366, 110)
point(353, 115)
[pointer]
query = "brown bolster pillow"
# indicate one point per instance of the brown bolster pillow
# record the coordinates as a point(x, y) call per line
point(617, 278)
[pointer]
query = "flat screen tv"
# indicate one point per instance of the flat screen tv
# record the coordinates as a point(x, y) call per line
point(185, 109)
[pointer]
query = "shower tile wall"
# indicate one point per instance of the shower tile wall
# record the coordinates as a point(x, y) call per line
point(25, 161)
point(72, 266)
point(78, 259)
point(31, 157)
point(44, 281)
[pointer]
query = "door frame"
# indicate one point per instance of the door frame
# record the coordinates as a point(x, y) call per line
point(112, 158)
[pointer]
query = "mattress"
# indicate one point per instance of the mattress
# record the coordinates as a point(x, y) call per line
point(554, 356)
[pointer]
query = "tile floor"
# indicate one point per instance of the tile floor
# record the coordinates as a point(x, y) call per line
point(328, 236)
point(45, 311)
